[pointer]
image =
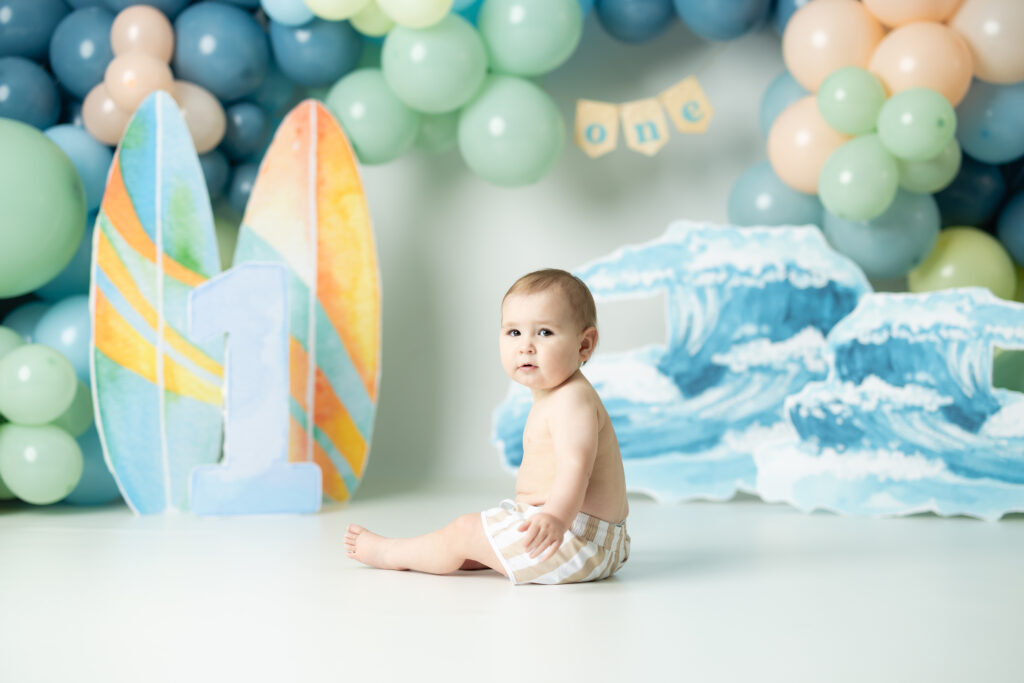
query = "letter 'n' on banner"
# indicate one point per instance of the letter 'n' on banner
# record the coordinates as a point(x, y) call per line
point(688, 106)
point(644, 126)
point(597, 127)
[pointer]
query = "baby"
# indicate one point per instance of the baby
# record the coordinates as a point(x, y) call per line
point(567, 522)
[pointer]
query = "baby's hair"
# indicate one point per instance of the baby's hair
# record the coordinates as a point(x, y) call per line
point(581, 301)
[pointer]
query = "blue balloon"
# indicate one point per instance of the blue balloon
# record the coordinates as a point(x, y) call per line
point(222, 48)
point(470, 9)
point(241, 186)
point(276, 93)
point(168, 7)
point(248, 128)
point(759, 198)
point(1010, 227)
point(65, 327)
point(586, 6)
point(634, 21)
point(974, 195)
point(989, 122)
point(216, 171)
point(316, 54)
point(24, 318)
point(251, 4)
point(26, 26)
point(717, 20)
point(287, 12)
point(90, 158)
point(892, 244)
point(27, 93)
point(782, 92)
point(784, 10)
point(97, 486)
point(80, 49)
point(74, 279)
point(80, 4)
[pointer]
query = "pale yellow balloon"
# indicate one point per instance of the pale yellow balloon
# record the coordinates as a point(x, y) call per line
point(965, 257)
point(203, 114)
point(134, 75)
point(924, 55)
point(335, 10)
point(799, 142)
point(825, 35)
point(141, 28)
point(372, 21)
point(894, 13)
point(416, 13)
point(994, 31)
point(102, 117)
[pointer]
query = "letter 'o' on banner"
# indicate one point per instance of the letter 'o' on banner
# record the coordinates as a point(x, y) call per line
point(644, 126)
point(597, 127)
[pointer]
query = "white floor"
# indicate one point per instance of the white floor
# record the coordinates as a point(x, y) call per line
point(712, 592)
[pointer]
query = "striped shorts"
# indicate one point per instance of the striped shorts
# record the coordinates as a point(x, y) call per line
point(592, 549)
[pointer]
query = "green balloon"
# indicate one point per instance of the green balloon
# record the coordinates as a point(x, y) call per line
point(931, 175)
point(849, 100)
point(1008, 370)
point(37, 384)
point(438, 132)
point(40, 465)
point(43, 204)
point(512, 133)
point(9, 339)
point(965, 257)
point(6, 493)
point(916, 124)
point(435, 69)
point(859, 179)
point(379, 125)
point(530, 37)
point(78, 417)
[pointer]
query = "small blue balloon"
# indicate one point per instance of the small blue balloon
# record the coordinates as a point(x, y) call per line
point(759, 198)
point(275, 93)
point(782, 92)
point(168, 7)
point(26, 26)
point(90, 158)
point(72, 114)
point(470, 9)
point(27, 93)
point(316, 54)
point(248, 128)
point(287, 12)
point(97, 486)
point(74, 279)
point(242, 180)
point(1010, 227)
point(634, 21)
point(80, 4)
point(717, 20)
point(586, 6)
point(216, 171)
point(25, 317)
point(222, 48)
point(974, 195)
point(784, 10)
point(989, 122)
point(251, 4)
point(80, 49)
point(65, 327)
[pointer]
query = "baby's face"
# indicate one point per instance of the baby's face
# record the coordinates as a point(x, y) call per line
point(541, 344)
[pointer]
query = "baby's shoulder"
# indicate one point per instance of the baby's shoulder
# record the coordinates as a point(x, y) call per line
point(577, 394)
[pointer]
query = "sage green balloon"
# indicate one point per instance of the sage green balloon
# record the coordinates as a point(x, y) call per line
point(37, 384)
point(530, 37)
point(9, 339)
point(931, 175)
point(438, 132)
point(42, 201)
point(965, 257)
point(436, 69)
point(849, 100)
point(380, 126)
point(39, 464)
point(512, 133)
point(77, 419)
point(5, 493)
point(916, 124)
point(859, 180)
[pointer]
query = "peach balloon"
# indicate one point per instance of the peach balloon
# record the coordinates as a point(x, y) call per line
point(994, 31)
point(825, 35)
point(894, 13)
point(924, 55)
point(203, 114)
point(132, 76)
point(102, 117)
point(799, 142)
point(141, 28)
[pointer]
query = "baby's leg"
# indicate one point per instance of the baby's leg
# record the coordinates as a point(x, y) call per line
point(440, 552)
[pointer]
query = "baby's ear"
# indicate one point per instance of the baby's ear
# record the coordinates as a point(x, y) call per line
point(588, 343)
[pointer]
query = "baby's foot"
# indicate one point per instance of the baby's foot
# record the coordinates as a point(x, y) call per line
point(366, 546)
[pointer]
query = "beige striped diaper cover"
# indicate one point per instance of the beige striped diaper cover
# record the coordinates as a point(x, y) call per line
point(592, 549)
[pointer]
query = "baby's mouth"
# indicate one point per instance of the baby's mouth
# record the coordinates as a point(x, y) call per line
point(527, 366)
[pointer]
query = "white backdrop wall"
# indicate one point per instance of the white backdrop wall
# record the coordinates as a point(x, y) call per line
point(450, 244)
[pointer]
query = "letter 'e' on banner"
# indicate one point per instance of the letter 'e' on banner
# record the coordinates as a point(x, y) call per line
point(597, 127)
point(644, 126)
point(687, 106)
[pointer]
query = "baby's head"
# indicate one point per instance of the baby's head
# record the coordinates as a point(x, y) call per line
point(548, 328)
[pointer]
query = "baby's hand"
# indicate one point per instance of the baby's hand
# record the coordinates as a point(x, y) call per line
point(543, 531)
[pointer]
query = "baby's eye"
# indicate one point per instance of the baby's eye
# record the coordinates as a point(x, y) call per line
point(545, 332)
point(513, 333)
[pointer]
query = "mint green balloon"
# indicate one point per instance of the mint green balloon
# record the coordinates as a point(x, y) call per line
point(77, 419)
point(380, 126)
point(9, 340)
point(512, 133)
point(931, 175)
point(849, 100)
point(43, 208)
point(6, 493)
point(435, 69)
point(40, 464)
point(859, 179)
point(438, 132)
point(37, 384)
point(530, 37)
point(916, 124)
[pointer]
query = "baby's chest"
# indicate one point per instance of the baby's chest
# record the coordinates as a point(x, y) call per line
point(536, 435)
